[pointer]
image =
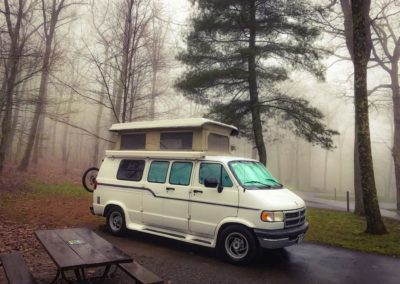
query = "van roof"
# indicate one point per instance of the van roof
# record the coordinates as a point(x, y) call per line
point(170, 123)
point(173, 155)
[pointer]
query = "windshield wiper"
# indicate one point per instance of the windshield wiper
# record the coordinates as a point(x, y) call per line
point(259, 182)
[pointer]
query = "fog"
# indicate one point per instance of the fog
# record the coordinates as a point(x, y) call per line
point(78, 113)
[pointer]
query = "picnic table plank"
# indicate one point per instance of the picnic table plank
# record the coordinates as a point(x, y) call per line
point(113, 253)
point(58, 249)
point(83, 247)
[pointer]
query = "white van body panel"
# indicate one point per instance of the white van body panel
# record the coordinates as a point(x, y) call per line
point(270, 199)
point(192, 213)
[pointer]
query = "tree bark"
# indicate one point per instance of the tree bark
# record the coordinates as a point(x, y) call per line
point(254, 101)
point(348, 31)
point(362, 49)
point(358, 192)
point(396, 136)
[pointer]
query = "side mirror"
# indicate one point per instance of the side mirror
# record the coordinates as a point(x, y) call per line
point(213, 182)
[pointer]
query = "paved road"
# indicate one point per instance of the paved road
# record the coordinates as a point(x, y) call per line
point(305, 263)
point(312, 200)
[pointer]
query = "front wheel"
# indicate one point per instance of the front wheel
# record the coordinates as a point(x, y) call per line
point(237, 244)
point(116, 221)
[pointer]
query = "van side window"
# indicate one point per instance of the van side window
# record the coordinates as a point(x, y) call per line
point(131, 170)
point(158, 171)
point(216, 171)
point(180, 173)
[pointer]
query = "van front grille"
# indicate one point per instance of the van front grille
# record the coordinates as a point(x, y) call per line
point(295, 218)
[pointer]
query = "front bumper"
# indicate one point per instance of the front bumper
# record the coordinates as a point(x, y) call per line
point(272, 239)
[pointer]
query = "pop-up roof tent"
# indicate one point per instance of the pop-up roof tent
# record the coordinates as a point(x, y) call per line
point(191, 134)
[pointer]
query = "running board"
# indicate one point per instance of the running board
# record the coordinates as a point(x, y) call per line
point(187, 238)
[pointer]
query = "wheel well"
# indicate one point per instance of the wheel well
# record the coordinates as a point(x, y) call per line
point(108, 208)
point(231, 224)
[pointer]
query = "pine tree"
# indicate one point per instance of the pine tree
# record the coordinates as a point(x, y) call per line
point(238, 51)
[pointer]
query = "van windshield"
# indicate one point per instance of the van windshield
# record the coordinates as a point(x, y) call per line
point(253, 175)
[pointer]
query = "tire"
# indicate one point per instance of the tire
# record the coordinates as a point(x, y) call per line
point(116, 221)
point(237, 245)
point(89, 178)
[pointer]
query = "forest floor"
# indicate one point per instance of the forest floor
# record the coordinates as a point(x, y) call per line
point(27, 205)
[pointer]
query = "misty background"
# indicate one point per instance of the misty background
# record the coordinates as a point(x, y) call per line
point(83, 97)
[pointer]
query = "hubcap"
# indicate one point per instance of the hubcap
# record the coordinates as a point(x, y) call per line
point(236, 245)
point(116, 221)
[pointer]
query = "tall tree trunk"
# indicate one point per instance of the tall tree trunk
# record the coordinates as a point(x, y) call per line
point(18, 150)
point(37, 146)
point(64, 145)
point(362, 49)
point(298, 174)
point(153, 92)
point(348, 31)
point(358, 192)
point(396, 136)
point(278, 161)
point(127, 52)
point(95, 158)
point(15, 120)
point(254, 102)
point(326, 170)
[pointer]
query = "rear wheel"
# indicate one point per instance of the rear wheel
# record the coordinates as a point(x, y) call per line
point(116, 221)
point(237, 244)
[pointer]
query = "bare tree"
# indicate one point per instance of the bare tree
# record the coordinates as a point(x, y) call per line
point(386, 53)
point(156, 51)
point(17, 19)
point(51, 14)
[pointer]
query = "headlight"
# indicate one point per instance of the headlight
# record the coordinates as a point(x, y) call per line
point(276, 216)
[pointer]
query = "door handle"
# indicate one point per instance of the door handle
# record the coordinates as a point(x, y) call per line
point(197, 191)
point(170, 188)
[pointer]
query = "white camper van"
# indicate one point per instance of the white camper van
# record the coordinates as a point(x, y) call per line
point(178, 179)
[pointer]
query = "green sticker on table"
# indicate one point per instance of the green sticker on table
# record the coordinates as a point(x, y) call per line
point(75, 242)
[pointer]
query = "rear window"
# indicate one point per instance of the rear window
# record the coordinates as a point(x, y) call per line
point(158, 171)
point(131, 170)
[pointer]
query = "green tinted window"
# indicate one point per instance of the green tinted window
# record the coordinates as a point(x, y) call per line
point(214, 171)
point(180, 173)
point(253, 175)
point(158, 171)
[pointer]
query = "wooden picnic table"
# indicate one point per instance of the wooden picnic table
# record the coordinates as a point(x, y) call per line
point(79, 248)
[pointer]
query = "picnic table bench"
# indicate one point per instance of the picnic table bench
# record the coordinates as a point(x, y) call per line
point(15, 268)
point(140, 273)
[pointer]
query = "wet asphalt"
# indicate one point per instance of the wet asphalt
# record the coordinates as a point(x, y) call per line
point(305, 263)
